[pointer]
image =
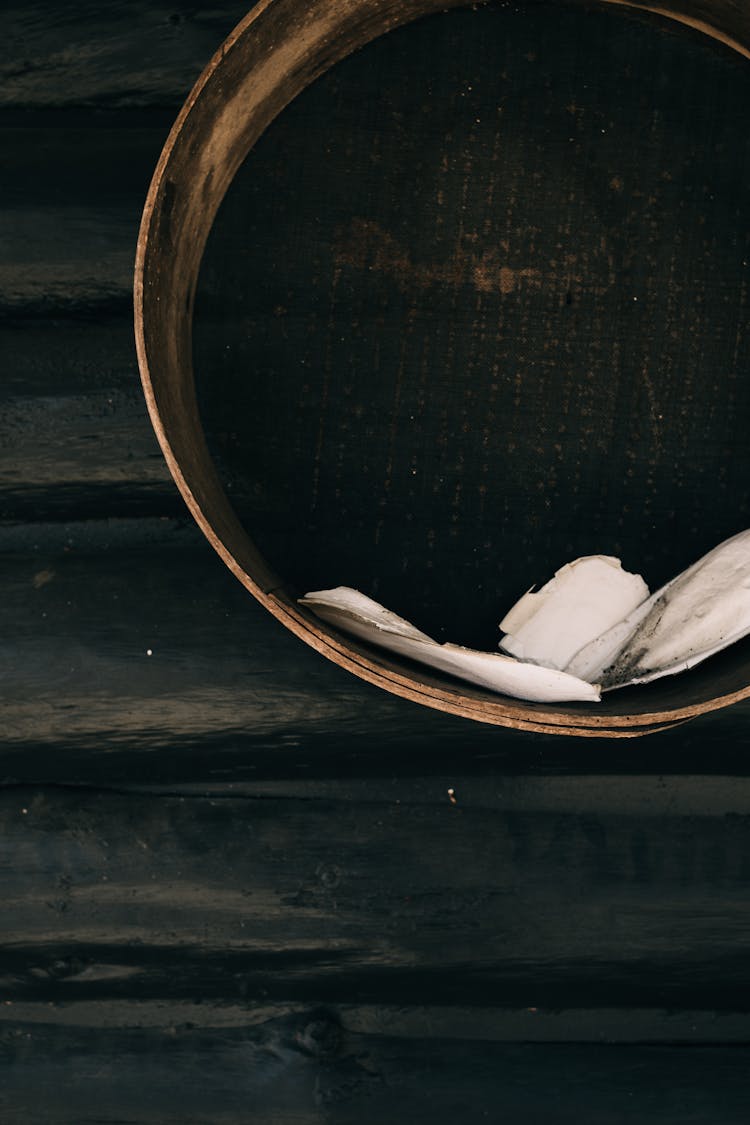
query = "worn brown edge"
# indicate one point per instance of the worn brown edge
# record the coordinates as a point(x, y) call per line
point(266, 587)
point(699, 25)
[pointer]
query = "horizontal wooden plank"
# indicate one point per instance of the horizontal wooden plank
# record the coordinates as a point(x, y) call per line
point(227, 688)
point(73, 189)
point(131, 53)
point(92, 454)
point(70, 256)
point(426, 1022)
point(297, 1070)
point(388, 901)
point(74, 432)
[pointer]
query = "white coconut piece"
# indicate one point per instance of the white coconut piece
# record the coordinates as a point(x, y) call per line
point(584, 599)
point(357, 607)
point(590, 662)
point(355, 613)
point(703, 610)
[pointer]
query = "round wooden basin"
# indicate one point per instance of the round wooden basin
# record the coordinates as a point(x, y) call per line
point(474, 305)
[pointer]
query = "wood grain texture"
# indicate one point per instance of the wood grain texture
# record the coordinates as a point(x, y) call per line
point(73, 187)
point(514, 906)
point(272, 1074)
point(228, 694)
point(74, 432)
point(133, 54)
point(234, 887)
point(298, 950)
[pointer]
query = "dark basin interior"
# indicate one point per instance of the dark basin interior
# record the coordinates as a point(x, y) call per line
point(477, 303)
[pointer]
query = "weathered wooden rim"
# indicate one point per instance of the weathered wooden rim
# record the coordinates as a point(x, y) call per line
point(313, 27)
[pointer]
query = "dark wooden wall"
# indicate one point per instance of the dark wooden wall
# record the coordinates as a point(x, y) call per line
point(233, 887)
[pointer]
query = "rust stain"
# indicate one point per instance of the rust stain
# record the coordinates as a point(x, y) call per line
point(510, 279)
point(367, 246)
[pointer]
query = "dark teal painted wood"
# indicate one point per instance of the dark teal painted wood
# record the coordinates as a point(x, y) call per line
point(233, 885)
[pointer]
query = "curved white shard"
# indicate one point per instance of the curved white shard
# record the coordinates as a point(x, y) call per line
point(355, 613)
point(698, 613)
point(351, 605)
point(583, 600)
